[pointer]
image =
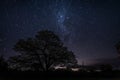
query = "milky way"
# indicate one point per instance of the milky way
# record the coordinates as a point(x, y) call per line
point(89, 28)
point(60, 10)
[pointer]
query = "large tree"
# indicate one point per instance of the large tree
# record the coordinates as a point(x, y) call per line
point(42, 52)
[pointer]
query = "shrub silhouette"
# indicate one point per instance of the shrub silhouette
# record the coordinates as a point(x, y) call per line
point(118, 47)
point(3, 64)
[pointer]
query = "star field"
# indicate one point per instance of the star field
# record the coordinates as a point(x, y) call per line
point(90, 28)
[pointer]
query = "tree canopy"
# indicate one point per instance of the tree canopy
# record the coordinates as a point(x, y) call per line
point(42, 52)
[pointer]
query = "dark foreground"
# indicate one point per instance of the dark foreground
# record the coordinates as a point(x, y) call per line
point(60, 75)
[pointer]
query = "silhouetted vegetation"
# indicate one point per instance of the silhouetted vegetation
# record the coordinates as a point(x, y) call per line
point(38, 56)
point(106, 67)
point(118, 46)
point(3, 64)
point(41, 53)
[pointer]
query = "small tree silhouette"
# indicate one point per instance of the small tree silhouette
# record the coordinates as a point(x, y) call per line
point(42, 52)
point(3, 64)
point(118, 47)
point(106, 67)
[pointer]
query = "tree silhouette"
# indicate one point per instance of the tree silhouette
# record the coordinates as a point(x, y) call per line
point(118, 47)
point(106, 67)
point(3, 64)
point(42, 52)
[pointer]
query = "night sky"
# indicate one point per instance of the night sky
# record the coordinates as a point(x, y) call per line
point(89, 28)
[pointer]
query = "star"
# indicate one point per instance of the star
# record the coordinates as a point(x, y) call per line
point(61, 16)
